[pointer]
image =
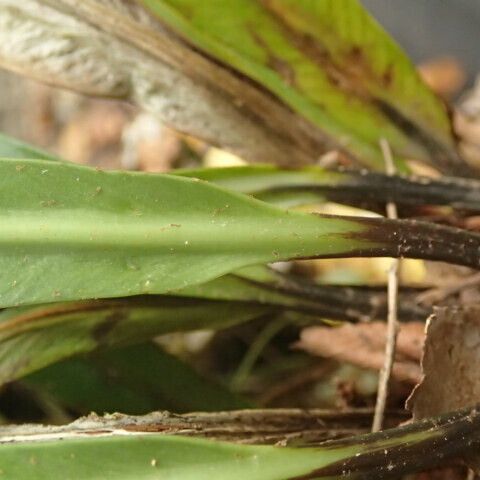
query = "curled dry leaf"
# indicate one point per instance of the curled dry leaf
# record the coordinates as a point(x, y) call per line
point(363, 344)
point(450, 363)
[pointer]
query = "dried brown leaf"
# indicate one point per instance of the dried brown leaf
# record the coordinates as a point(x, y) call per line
point(363, 345)
point(450, 363)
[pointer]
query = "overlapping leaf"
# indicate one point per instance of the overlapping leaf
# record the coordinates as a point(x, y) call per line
point(71, 232)
point(44, 335)
point(330, 62)
point(32, 338)
point(132, 447)
point(133, 380)
point(293, 187)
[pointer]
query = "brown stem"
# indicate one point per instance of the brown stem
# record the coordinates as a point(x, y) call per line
point(410, 449)
point(349, 303)
point(367, 189)
point(414, 239)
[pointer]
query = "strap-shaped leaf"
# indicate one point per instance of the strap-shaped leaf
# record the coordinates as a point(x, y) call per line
point(292, 187)
point(144, 448)
point(70, 232)
point(331, 63)
point(33, 338)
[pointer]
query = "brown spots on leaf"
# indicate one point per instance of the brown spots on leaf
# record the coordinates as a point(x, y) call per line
point(157, 427)
point(388, 76)
point(98, 432)
point(283, 69)
point(356, 53)
point(48, 203)
point(350, 73)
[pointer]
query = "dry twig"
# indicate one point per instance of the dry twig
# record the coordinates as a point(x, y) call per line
point(392, 326)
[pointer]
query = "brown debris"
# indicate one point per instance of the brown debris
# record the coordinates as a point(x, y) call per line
point(94, 134)
point(444, 75)
point(363, 345)
point(272, 426)
point(450, 366)
point(149, 145)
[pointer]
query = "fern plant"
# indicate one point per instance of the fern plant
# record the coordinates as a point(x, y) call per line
point(93, 260)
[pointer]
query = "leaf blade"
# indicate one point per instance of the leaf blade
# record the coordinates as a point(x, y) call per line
point(71, 232)
point(13, 148)
point(136, 233)
point(330, 62)
point(117, 447)
point(33, 338)
point(133, 380)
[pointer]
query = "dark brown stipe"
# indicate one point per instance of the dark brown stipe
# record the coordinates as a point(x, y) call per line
point(370, 188)
point(347, 303)
point(351, 304)
point(392, 454)
point(414, 239)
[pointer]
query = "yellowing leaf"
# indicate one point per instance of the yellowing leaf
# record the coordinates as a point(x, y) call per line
point(330, 62)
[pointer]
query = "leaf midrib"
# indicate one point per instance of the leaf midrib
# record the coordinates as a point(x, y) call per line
point(111, 231)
